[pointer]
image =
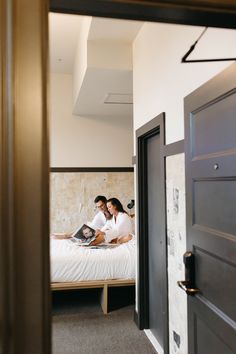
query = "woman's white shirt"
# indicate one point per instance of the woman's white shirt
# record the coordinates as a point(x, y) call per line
point(118, 226)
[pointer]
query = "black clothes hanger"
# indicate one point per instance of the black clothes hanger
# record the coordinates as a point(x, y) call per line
point(183, 60)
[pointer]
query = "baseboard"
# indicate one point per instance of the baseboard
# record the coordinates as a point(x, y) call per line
point(154, 342)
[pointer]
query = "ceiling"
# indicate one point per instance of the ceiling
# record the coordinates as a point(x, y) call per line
point(113, 29)
point(105, 78)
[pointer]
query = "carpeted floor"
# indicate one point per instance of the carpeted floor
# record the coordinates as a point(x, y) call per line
point(80, 327)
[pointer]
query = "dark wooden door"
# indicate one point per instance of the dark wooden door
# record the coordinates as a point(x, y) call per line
point(210, 133)
point(151, 232)
point(155, 242)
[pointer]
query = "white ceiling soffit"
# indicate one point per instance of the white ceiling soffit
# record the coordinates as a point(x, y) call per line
point(105, 92)
point(105, 29)
point(107, 88)
point(63, 37)
point(105, 75)
point(118, 98)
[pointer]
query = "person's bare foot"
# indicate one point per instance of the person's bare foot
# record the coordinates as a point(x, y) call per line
point(124, 239)
point(61, 235)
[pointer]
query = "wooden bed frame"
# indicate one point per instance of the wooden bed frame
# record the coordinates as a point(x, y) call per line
point(103, 284)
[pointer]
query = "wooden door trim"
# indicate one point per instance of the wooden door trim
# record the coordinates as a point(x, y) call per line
point(24, 183)
point(31, 177)
point(200, 13)
point(6, 235)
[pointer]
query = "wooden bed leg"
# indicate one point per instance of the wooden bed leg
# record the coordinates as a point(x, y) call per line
point(104, 299)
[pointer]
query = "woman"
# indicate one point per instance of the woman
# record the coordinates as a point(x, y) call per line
point(119, 228)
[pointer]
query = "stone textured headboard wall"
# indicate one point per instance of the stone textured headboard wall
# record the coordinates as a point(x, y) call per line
point(72, 195)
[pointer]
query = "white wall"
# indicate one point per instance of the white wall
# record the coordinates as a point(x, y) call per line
point(80, 61)
point(75, 140)
point(109, 55)
point(160, 80)
point(160, 84)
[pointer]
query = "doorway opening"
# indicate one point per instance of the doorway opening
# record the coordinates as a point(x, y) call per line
point(144, 96)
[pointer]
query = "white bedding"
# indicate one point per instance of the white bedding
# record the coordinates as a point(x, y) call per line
point(70, 262)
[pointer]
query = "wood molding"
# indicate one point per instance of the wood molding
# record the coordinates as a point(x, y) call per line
point(91, 169)
point(215, 13)
point(6, 207)
point(91, 284)
point(24, 187)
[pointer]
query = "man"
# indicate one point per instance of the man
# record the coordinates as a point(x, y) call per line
point(103, 215)
point(99, 220)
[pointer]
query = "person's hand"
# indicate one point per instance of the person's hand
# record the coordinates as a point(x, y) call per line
point(97, 232)
point(115, 240)
point(61, 235)
point(100, 237)
point(124, 239)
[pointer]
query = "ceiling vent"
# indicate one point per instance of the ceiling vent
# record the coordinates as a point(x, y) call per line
point(119, 98)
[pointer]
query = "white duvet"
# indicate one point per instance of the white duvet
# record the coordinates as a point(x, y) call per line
point(70, 262)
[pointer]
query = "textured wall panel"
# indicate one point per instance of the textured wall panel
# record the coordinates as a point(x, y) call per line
point(73, 193)
point(176, 225)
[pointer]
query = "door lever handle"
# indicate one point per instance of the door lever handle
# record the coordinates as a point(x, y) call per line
point(188, 285)
point(184, 285)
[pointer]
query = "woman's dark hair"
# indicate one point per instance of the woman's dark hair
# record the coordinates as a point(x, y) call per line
point(100, 198)
point(116, 203)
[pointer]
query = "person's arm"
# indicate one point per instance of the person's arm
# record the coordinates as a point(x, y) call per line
point(98, 221)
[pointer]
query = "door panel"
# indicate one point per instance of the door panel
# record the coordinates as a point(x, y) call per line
point(209, 135)
point(213, 289)
point(210, 128)
point(216, 212)
point(155, 248)
point(209, 339)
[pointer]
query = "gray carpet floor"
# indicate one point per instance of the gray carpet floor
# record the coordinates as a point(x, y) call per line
point(80, 327)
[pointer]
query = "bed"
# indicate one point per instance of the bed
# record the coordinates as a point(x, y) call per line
point(75, 267)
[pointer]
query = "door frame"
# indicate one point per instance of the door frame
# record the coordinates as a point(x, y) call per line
point(13, 203)
point(152, 128)
point(25, 307)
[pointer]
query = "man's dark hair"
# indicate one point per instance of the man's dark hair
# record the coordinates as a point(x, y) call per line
point(100, 198)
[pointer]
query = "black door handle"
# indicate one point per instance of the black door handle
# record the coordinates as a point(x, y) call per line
point(188, 285)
